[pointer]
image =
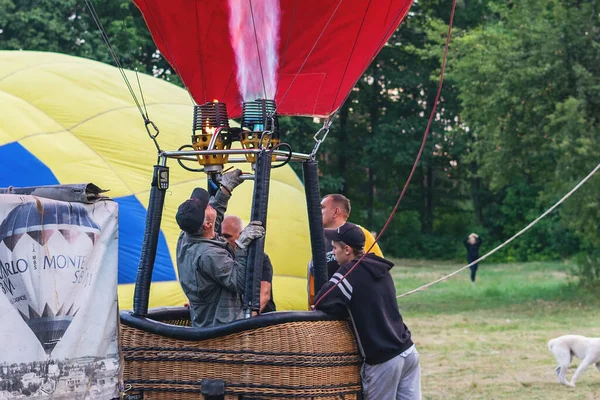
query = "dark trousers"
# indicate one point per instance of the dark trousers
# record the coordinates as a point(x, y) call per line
point(473, 270)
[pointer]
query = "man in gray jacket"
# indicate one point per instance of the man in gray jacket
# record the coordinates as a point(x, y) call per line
point(210, 277)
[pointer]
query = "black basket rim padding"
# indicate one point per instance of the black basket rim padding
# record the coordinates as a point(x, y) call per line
point(143, 280)
point(152, 322)
point(310, 171)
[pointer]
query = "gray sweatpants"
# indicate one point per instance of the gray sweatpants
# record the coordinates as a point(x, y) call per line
point(395, 379)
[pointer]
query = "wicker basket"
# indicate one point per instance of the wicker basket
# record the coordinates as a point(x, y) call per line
point(315, 359)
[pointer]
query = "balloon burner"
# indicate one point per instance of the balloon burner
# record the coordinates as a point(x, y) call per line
point(260, 126)
point(211, 132)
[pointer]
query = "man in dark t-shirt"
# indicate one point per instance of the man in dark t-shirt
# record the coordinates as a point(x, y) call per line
point(231, 228)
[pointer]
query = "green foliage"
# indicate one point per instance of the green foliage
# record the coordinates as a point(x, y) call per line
point(67, 26)
point(587, 269)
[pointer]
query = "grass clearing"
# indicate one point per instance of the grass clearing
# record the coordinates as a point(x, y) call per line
point(488, 340)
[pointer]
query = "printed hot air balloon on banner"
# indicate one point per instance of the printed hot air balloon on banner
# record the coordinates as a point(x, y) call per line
point(58, 307)
point(45, 247)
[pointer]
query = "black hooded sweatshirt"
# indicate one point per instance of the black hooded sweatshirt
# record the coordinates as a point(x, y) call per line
point(368, 293)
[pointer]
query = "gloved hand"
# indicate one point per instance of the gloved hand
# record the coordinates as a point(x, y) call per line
point(252, 231)
point(230, 180)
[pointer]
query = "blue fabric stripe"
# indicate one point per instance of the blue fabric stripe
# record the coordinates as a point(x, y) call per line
point(21, 168)
point(132, 220)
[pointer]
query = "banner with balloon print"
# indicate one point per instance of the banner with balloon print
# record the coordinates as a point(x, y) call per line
point(58, 279)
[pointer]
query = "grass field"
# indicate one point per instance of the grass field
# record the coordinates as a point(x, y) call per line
point(488, 340)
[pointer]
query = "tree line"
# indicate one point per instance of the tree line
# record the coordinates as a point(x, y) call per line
point(517, 125)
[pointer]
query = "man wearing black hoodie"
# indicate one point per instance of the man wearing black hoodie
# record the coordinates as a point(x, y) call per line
point(391, 362)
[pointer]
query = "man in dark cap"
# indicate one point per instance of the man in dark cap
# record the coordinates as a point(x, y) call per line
point(209, 274)
point(391, 363)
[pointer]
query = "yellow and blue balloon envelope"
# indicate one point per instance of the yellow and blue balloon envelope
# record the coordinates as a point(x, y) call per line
point(71, 120)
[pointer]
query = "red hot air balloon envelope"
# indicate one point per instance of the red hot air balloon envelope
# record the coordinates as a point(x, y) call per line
point(320, 47)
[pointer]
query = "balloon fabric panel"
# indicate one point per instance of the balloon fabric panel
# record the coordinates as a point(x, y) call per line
point(323, 48)
point(21, 168)
point(131, 234)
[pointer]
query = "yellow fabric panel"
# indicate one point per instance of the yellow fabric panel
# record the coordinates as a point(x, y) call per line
point(118, 139)
point(20, 119)
point(162, 294)
point(289, 292)
point(72, 161)
point(369, 240)
point(86, 90)
point(20, 62)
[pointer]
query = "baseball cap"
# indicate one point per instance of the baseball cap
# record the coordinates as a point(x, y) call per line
point(348, 233)
point(190, 214)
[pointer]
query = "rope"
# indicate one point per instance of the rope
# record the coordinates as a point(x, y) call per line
point(548, 211)
point(148, 123)
point(137, 76)
point(414, 167)
point(114, 55)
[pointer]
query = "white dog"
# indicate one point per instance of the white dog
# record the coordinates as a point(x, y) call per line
point(565, 347)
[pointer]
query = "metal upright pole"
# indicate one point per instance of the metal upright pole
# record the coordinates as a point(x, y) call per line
point(310, 171)
point(160, 184)
point(260, 202)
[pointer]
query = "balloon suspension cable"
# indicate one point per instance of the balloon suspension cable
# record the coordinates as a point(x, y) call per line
point(148, 123)
point(320, 136)
point(531, 224)
point(270, 129)
point(265, 135)
point(150, 126)
point(414, 167)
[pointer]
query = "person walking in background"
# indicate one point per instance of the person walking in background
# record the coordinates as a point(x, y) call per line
point(472, 243)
